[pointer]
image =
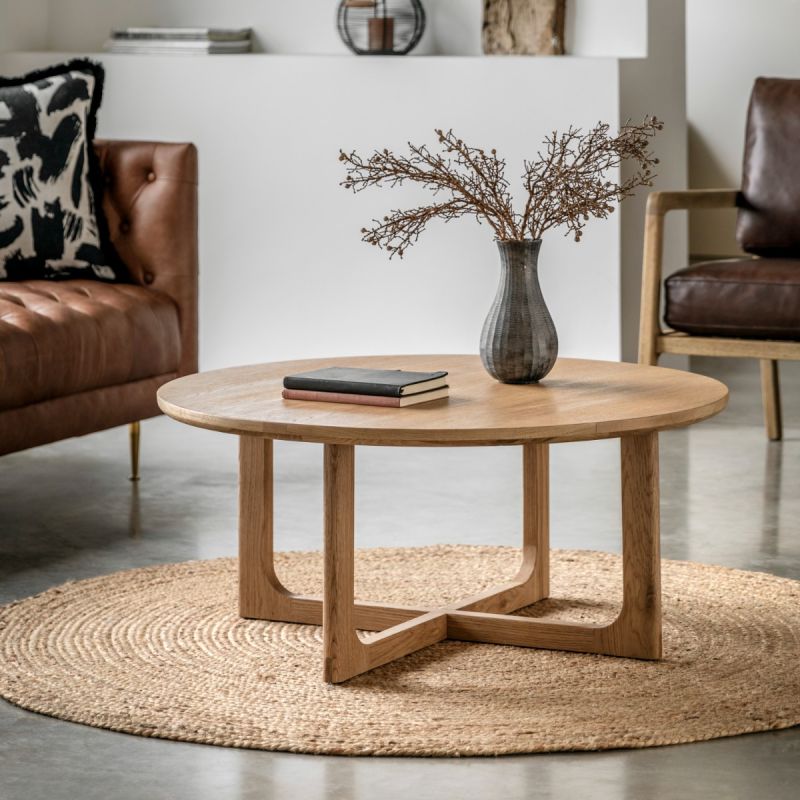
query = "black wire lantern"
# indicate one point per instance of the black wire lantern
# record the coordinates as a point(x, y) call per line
point(381, 27)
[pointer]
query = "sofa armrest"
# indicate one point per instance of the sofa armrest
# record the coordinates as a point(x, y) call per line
point(150, 203)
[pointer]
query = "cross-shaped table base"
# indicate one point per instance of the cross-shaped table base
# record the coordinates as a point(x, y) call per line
point(484, 617)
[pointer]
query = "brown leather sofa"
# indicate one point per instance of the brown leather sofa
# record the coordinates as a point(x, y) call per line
point(747, 307)
point(80, 356)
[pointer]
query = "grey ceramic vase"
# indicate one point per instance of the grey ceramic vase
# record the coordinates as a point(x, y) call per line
point(519, 343)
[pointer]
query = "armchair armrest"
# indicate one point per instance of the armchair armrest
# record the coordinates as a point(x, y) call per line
point(150, 203)
point(661, 202)
point(658, 205)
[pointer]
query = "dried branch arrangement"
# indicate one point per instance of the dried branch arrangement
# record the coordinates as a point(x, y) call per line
point(566, 184)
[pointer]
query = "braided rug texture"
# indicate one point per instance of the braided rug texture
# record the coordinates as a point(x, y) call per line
point(162, 652)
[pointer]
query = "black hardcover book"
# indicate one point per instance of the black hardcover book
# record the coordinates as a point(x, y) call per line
point(356, 380)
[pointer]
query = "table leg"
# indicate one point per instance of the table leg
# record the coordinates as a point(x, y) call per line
point(258, 593)
point(261, 594)
point(535, 569)
point(637, 630)
point(255, 523)
point(345, 655)
point(340, 641)
point(532, 582)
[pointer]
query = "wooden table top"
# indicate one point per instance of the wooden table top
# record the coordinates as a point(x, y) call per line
point(578, 400)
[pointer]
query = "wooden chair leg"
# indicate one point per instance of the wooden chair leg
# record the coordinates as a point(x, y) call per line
point(771, 398)
point(134, 434)
point(650, 308)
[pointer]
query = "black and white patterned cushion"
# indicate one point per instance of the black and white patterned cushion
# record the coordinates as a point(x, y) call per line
point(50, 223)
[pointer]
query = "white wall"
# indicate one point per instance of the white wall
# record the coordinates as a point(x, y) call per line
point(23, 24)
point(284, 273)
point(728, 45)
point(594, 27)
point(607, 28)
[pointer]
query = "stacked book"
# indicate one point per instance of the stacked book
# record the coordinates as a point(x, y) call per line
point(183, 41)
point(368, 387)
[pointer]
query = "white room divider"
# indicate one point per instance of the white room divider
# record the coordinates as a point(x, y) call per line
point(283, 271)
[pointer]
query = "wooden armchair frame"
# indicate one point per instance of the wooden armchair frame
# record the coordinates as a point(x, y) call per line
point(654, 340)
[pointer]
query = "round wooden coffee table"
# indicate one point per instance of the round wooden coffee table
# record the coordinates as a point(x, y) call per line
point(578, 400)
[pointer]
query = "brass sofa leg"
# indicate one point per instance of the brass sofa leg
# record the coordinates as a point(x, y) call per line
point(134, 433)
point(771, 398)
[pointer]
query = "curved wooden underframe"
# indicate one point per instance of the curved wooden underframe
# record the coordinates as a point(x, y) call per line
point(484, 617)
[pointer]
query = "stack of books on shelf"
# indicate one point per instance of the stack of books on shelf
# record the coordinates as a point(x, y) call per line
point(394, 388)
point(181, 41)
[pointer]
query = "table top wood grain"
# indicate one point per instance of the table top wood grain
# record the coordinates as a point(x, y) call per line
point(578, 400)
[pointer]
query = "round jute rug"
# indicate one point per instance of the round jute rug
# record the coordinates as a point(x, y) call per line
point(161, 651)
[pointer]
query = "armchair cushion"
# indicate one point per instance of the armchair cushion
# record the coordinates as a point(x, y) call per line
point(739, 297)
point(50, 220)
point(66, 337)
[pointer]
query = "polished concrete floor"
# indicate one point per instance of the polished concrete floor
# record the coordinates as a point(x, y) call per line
point(67, 512)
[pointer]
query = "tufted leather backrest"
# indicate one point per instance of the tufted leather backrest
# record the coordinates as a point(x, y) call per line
point(150, 202)
point(769, 217)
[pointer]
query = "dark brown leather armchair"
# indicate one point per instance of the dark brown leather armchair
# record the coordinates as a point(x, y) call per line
point(80, 356)
point(738, 307)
